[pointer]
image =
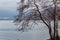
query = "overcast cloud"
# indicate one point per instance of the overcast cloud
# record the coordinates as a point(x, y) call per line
point(8, 4)
point(8, 8)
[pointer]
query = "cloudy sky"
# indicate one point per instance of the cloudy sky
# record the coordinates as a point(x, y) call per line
point(8, 7)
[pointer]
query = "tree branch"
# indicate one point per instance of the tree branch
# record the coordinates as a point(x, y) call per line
point(49, 27)
point(40, 15)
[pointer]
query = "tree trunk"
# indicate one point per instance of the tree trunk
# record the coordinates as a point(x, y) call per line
point(50, 30)
point(56, 36)
point(56, 26)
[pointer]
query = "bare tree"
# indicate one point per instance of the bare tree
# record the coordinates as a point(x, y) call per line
point(32, 10)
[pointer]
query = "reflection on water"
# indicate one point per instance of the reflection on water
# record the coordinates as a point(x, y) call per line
point(8, 31)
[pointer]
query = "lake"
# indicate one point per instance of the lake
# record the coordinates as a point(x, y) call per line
point(8, 31)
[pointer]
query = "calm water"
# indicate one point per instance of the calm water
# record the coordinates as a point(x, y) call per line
point(8, 31)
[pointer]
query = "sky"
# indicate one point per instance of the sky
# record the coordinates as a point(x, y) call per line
point(8, 8)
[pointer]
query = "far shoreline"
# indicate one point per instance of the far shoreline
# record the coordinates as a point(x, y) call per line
point(6, 19)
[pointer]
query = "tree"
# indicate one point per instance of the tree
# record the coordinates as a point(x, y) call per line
point(36, 10)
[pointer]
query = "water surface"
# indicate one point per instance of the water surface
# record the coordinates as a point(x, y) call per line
point(8, 31)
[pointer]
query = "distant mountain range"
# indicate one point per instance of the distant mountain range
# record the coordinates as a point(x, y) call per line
point(6, 18)
point(7, 14)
